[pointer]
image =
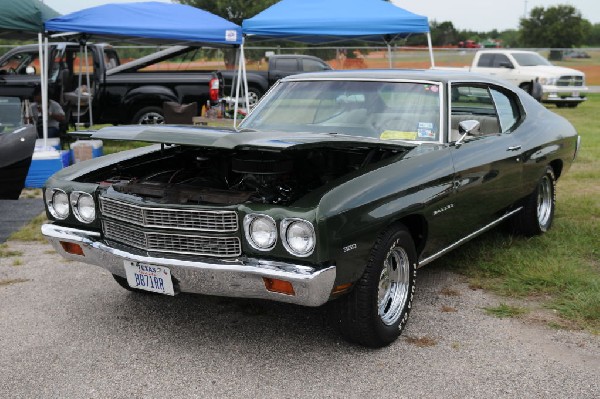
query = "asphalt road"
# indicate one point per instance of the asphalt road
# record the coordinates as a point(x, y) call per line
point(67, 330)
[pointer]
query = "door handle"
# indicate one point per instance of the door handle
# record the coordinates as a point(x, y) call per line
point(514, 148)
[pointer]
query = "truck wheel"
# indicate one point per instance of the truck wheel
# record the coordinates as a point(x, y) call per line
point(538, 212)
point(376, 310)
point(149, 116)
point(254, 95)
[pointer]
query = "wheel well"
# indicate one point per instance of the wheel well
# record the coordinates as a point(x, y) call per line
point(525, 86)
point(417, 226)
point(557, 166)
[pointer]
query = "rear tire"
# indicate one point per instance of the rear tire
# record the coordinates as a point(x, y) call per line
point(149, 116)
point(375, 312)
point(254, 95)
point(538, 212)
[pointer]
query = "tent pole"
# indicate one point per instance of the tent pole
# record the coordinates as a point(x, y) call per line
point(237, 88)
point(389, 54)
point(44, 80)
point(41, 58)
point(237, 60)
point(430, 49)
point(79, 88)
point(87, 75)
point(243, 63)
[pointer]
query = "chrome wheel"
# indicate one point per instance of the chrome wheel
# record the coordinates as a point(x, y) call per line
point(253, 98)
point(151, 118)
point(393, 285)
point(544, 202)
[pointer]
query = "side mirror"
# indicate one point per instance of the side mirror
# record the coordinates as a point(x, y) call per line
point(466, 128)
point(30, 70)
point(507, 65)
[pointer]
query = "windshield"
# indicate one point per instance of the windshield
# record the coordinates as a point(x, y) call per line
point(377, 109)
point(530, 59)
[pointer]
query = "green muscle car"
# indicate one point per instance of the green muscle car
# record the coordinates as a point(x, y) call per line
point(336, 188)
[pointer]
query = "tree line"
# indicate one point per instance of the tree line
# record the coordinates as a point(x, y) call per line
point(560, 26)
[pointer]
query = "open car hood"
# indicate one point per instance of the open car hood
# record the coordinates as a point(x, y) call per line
point(230, 139)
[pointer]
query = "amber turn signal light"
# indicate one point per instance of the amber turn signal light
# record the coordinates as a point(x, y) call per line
point(72, 248)
point(341, 288)
point(280, 286)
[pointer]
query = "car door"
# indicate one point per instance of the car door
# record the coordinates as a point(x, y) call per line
point(488, 164)
point(19, 74)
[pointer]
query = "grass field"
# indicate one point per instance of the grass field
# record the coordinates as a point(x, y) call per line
point(559, 271)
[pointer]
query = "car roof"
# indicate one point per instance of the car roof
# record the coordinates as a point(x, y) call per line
point(436, 75)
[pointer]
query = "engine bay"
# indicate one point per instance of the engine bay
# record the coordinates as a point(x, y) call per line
point(191, 175)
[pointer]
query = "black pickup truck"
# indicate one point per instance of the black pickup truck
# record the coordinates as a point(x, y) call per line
point(130, 93)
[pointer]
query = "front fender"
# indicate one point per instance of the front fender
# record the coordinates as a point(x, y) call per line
point(352, 215)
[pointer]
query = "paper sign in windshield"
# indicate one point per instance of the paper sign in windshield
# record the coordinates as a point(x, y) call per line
point(398, 135)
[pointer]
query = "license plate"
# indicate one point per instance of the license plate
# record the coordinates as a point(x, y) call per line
point(575, 94)
point(149, 277)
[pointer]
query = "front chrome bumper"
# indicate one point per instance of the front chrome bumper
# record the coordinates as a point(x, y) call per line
point(239, 277)
point(553, 94)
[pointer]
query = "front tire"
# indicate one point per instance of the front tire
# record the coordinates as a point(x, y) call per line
point(538, 212)
point(376, 311)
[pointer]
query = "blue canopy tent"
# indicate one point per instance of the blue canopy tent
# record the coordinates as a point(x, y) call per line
point(319, 21)
point(150, 22)
point(147, 23)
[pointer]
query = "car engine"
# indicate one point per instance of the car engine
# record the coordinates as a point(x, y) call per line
point(185, 175)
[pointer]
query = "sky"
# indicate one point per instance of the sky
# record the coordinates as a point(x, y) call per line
point(478, 15)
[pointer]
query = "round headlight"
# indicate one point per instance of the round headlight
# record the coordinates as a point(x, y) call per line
point(261, 231)
point(298, 236)
point(84, 207)
point(58, 203)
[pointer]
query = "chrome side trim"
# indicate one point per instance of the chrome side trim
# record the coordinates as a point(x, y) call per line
point(467, 238)
point(240, 277)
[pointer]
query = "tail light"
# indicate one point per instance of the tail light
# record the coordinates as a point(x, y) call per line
point(213, 89)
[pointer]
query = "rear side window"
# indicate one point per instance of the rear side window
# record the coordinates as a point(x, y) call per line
point(507, 109)
point(286, 64)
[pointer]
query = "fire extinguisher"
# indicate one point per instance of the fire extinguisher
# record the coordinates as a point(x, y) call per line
point(213, 89)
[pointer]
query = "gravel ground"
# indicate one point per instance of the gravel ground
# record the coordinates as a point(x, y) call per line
point(67, 330)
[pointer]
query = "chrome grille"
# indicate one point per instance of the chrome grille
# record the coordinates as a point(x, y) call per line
point(568, 80)
point(125, 234)
point(172, 243)
point(177, 219)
